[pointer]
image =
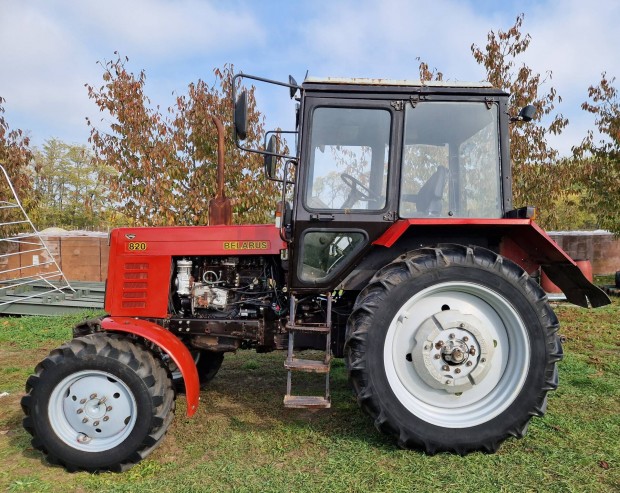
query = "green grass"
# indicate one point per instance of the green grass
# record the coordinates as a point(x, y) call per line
point(242, 439)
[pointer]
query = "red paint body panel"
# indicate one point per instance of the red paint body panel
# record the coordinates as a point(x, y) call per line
point(167, 342)
point(526, 234)
point(139, 270)
point(397, 229)
point(523, 242)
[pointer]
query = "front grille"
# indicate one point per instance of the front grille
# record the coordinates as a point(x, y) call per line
point(135, 292)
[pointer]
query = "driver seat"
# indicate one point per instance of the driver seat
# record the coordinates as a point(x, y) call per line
point(429, 197)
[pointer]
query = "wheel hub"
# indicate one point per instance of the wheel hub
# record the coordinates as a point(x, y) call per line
point(455, 352)
point(93, 409)
point(452, 351)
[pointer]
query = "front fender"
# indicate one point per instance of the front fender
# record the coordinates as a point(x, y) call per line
point(170, 344)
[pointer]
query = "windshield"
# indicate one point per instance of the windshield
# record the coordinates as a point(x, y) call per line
point(349, 152)
point(451, 165)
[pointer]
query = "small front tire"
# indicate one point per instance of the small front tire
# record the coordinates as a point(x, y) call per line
point(99, 402)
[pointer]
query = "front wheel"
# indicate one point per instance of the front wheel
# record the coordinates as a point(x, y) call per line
point(452, 349)
point(99, 402)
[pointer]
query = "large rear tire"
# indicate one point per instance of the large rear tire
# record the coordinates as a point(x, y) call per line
point(99, 402)
point(452, 349)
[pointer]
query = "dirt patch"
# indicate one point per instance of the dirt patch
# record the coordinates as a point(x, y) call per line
point(10, 414)
point(20, 358)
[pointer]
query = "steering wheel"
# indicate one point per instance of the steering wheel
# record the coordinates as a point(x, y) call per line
point(359, 191)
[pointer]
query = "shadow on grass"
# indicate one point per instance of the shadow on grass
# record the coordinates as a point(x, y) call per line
point(245, 398)
point(249, 391)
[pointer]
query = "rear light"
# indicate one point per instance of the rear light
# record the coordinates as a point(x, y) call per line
point(279, 215)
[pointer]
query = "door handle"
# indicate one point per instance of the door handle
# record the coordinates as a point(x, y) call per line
point(322, 217)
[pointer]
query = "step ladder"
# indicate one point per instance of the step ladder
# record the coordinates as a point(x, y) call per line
point(293, 363)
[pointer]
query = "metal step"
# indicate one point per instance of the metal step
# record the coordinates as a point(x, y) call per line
point(306, 402)
point(307, 365)
point(314, 328)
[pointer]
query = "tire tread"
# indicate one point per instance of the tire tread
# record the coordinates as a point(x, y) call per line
point(376, 294)
point(126, 351)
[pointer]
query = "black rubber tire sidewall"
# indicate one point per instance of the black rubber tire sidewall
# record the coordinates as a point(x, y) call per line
point(70, 456)
point(394, 418)
point(144, 375)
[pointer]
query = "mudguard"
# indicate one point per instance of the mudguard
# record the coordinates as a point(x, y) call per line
point(170, 344)
point(522, 241)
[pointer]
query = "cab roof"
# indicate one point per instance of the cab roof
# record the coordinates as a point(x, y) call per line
point(395, 82)
point(339, 86)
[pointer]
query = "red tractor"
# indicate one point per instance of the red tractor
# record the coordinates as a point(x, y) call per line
point(396, 247)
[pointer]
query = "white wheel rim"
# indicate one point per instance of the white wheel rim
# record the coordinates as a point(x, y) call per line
point(499, 385)
point(92, 411)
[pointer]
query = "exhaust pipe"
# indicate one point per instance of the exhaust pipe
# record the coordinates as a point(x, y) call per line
point(220, 208)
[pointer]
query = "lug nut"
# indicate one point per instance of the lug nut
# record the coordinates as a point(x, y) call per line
point(92, 396)
point(437, 356)
point(80, 411)
point(451, 336)
point(85, 420)
point(96, 423)
point(439, 345)
point(465, 338)
point(105, 418)
point(82, 401)
point(469, 363)
point(109, 408)
point(457, 370)
point(445, 368)
point(472, 350)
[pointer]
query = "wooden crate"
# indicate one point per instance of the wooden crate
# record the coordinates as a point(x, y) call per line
point(80, 258)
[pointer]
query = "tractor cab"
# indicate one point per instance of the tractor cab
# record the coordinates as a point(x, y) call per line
point(373, 152)
point(404, 165)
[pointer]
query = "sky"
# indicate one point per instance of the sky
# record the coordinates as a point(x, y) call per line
point(49, 49)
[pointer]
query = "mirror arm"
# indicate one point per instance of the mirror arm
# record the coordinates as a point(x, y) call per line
point(283, 233)
point(275, 154)
point(241, 75)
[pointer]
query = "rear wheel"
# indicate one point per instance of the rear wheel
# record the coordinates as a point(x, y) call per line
point(452, 349)
point(99, 402)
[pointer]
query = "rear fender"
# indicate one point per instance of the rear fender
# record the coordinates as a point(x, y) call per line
point(170, 344)
point(540, 249)
point(520, 240)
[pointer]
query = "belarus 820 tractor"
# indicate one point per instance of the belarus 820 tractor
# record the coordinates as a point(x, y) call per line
point(396, 246)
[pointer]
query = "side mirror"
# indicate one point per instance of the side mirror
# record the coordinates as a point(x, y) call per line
point(526, 114)
point(270, 161)
point(241, 116)
point(293, 84)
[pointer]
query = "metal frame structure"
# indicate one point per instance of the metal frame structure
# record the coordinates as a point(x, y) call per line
point(16, 228)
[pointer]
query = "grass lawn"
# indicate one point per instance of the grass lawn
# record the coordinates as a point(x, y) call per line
point(242, 439)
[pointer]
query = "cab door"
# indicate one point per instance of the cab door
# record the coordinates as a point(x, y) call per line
point(345, 190)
